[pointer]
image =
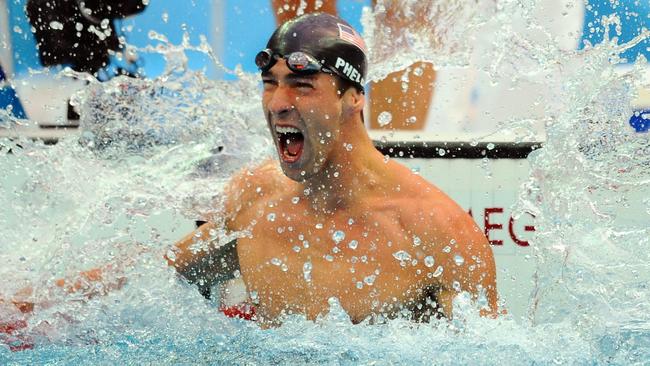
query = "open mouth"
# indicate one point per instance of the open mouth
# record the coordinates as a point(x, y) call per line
point(291, 143)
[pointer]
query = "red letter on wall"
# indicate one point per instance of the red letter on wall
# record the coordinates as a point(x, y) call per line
point(521, 243)
point(489, 226)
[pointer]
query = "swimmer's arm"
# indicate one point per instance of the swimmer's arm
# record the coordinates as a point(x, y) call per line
point(85, 284)
point(202, 261)
point(475, 275)
point(219, 262)
point(480, 282)
point(203, 257)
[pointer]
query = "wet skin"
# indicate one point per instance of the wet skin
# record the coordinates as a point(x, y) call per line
point(379, 203)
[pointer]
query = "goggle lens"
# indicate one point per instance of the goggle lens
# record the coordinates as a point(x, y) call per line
point(298, 62)
point(264, 60)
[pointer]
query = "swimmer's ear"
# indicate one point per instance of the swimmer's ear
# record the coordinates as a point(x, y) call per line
point(353, 101)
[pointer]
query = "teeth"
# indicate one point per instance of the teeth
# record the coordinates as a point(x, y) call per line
point(287, 129)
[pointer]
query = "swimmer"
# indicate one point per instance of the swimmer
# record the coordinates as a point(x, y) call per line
point(335, 218)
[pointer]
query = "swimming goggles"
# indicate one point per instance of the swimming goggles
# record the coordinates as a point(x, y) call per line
point(298, 62)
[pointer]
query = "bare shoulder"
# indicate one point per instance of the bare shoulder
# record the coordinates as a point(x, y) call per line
point(435, 215)
point(421, 202)
point(251, 185)
point(452, 237)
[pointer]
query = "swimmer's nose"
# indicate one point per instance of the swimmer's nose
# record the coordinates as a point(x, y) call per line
point(280, 105)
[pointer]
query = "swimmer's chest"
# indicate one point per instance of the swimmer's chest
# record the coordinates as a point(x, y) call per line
point(295, 265)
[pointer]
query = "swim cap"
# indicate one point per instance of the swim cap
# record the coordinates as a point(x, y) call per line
point(331, 40)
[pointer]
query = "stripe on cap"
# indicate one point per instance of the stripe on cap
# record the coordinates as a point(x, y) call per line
point(350, 35)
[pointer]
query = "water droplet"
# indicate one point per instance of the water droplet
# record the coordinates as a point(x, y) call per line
point(353, 244)
point(348, 147)
point(411, 120)
point(350, 221)
point(296, 249)
point(459, 260)
point(306, 271)
point(295, 200)
point(429, 261)
point(441, 152)
point(329, 258)
point(301, 237)
point(369, 280)
point(359, 285)
point(305, 244)
point(319, 226)
point(438, 271)
point(456, 286)
point(270, 217)
point(56, 25)
point(416, 240)
point(335, 250)
point(171, 255)
point(284, 267)
point(384, 118)
point(446, 249)
point(165, 17)
point(338, 236)
point(490, 146)
point(336, 174)
point(402, 255)
point(276, 261)
point(482, 300)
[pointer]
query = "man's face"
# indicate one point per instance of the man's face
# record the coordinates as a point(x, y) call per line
point(304, 116)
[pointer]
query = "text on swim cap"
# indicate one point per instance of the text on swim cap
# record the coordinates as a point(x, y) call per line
point(348, 70)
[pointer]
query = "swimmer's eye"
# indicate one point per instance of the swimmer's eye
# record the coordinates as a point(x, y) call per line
point(269, 83)
point(303, 84)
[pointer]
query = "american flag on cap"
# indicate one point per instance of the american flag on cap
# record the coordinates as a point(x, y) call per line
point(348, 34)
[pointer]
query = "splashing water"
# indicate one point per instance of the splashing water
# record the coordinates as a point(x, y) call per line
point(153, 155)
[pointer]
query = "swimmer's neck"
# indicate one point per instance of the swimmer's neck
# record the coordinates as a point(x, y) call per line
point(349, 174)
